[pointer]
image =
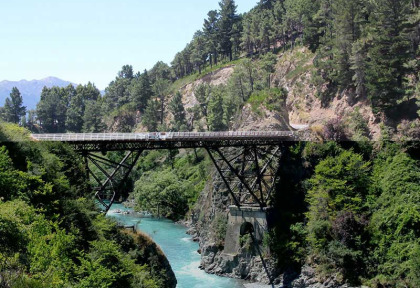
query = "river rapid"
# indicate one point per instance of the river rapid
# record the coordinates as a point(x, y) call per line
point(178, 247)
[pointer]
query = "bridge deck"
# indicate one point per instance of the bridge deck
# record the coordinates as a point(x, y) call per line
point(165, 140)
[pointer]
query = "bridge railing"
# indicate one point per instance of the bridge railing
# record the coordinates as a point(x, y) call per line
point(162, 136)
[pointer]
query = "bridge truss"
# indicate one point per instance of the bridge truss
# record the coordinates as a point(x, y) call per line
point(247, 162)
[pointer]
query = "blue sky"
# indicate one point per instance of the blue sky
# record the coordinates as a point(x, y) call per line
point(90, 40)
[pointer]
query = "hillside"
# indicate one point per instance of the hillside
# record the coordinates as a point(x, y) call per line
point(345, 201)
point(30, 90)
point(294, 71)
point(52, 232)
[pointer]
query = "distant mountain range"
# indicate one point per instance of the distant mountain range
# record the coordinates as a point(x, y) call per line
point(30, 90)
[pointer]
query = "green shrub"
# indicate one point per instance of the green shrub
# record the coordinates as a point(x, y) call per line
point(218, 228)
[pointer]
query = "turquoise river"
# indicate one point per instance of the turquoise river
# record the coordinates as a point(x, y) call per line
point(178, 247)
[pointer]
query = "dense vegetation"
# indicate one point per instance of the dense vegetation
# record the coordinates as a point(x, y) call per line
point(52, 236)
point(167, 185)
point(352, 210)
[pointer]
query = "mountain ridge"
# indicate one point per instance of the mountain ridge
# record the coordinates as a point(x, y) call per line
point(30, 89)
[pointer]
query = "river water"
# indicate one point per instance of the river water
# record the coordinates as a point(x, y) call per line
point(178, 247)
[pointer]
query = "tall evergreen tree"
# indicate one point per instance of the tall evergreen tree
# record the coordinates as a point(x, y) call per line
point(31, 120)
point(2, 113)
point(74, 115)
point(211, 31)
point(126, 72)
point(141, 91)
point(324, 60)
point(202, 94)
point(215, 112)
point(51, 109)
point(228, 17)
point(358, 67)
point(198, 52)
point(92, 118)
point(177, 109)
point(316, 26)
point(236, 37)
point(160, 87)
point(77, 106)
point(347, 20)
point(151, 115)
point(390, 50)
point(160, 70)
point(239, 84)
point(13, 107)
point(268, 62)
point(117, 93)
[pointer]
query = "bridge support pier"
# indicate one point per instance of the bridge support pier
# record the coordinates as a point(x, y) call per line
point(242, 221)
point(112, 175)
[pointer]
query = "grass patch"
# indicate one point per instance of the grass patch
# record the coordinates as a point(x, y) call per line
point(301, 59)
point(178, 84)
point(272, 99)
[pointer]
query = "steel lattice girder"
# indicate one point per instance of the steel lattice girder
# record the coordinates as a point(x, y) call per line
point(253, 168)
point(154, 145)
point(110, 183)
point(250, 176)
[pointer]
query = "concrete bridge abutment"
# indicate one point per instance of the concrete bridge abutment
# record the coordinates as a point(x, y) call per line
point(242, 221)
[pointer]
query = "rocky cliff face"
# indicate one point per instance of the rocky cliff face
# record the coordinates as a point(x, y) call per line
point(211, 209)
point(301, 106)
point(294, 72)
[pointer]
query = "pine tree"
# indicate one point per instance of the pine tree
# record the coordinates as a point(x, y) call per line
point(92, 118)
point(117, 93)
point(151, 115)
point(160, 88)
point(227, 19)
point(141, 91)
point(324, 60)
point(31, 120)
point(268, 63)
point(236, 37)
point(389, 51)
point(358, 67)
point(88, 92)
point(202, 94)
point(13, 107)
point(177, 109)
point(74, 117)
point(126, 72)
point(2, 113)
point(160, 70)
point(347, 20)
point(211, 30)
point(266, 29)
point(215, 112)
point(77, 105)
point(198, 52)
point(250, 71)
point(239, 85)
point(51, 110)
point(315, 27)
point(247, 43)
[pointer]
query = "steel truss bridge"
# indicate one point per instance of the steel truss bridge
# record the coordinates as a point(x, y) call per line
point(247, 162)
